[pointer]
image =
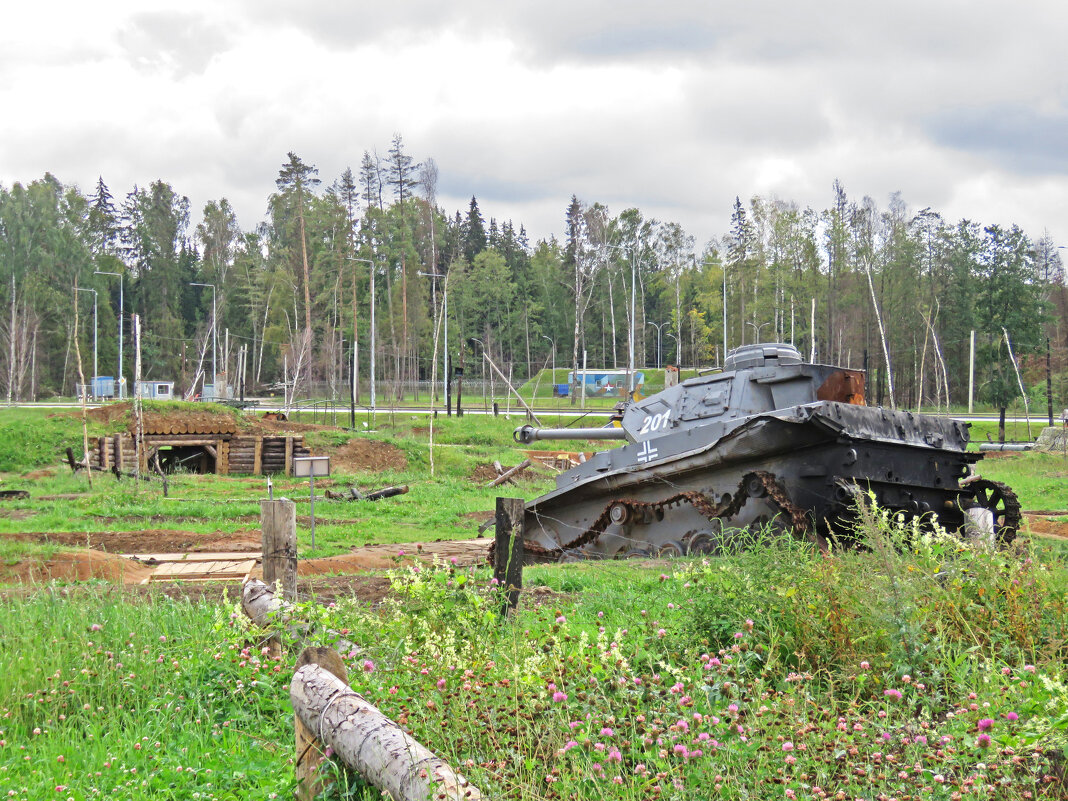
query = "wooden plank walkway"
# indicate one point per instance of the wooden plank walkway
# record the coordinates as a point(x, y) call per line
point(225, 566)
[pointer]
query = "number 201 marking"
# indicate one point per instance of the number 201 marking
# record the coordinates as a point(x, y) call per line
point(654, 422)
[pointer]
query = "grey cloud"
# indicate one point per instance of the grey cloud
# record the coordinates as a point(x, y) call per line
point(1017, 137)
point(182, 43)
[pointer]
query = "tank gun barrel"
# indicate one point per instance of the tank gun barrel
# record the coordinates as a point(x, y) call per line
point(528, 434)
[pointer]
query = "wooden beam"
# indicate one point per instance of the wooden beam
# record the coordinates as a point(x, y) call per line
point(257, 457)
point(289, 456)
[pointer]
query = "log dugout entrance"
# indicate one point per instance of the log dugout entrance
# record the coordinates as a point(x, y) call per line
point(190, 458)
point(200, 453)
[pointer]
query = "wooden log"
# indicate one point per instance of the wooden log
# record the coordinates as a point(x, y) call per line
point(498, 468)
point(289, 456)
point(508, 551)
point(310, 753)
point(268, 611)
point(257, 457)
point(372, 744)
point(278, 520)
point(519, 468)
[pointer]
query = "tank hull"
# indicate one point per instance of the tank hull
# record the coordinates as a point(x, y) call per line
point(819, 455)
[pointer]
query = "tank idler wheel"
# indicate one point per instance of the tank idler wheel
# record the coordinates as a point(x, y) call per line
point(1001, 502)
point(672, 549)
point(700, 544)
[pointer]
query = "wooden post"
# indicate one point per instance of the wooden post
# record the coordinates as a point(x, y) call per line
point(278, 519)
point(119, 461)
point(289, 456)
point(372, 744)
point(257, 457)
point(508, 551)
point(310, 754)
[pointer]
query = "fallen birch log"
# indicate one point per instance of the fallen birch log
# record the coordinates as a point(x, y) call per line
point(354, 494)
point(523, 465)
point(267, 610)
point(372, 744)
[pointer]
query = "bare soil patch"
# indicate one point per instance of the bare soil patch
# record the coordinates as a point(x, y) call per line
point(484, 473)
point(158, 540)
point(1046, 526)
point(462, 553)
point(358, 455)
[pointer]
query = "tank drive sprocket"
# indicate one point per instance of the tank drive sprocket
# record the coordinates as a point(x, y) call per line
point(1001, 501)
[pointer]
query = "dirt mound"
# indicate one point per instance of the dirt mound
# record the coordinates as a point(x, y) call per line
point(359, 455)
point(150, 540)
point(80, 565)
point(109, 412)
point(378, 557)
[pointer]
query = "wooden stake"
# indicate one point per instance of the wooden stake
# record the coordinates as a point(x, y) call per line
point(508, 551)
point(519, 468)
point(278, 520)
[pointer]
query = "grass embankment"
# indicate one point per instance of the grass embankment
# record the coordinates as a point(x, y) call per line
point(912, 669)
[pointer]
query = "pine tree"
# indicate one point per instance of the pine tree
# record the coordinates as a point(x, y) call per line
point(474, 232)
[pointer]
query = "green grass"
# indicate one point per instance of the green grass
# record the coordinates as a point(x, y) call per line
point(778, 669)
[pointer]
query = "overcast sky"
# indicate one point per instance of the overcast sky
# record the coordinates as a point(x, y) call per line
point(674, 107)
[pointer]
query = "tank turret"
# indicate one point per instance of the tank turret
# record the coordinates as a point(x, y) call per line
point(770, 439)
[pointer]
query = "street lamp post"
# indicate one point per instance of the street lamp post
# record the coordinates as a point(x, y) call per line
point(659, 352)
point(214, 344)
point(756, 330)
point(445, 354)
point(678, 350)
point(354, 355)
point(120, 379)
point(93, 383)
point(553, 343)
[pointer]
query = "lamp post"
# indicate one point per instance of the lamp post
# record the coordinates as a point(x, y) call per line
point(93, 383)
point(445, 354)
point(553, 343)
point(354, 354)
point(101, 272)
point(214, 343)
point(678, 350)
point(757, 329)
point(659, 352)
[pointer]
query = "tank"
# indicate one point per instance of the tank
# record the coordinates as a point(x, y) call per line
point(769, 440)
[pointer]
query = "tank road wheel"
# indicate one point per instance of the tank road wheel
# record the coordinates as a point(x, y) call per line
point(700, 543)
point(1001, 502)
point(635, 553)
point(672, 549)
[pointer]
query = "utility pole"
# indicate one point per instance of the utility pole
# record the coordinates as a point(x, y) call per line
point(214, 342)
point(971, 372)
point(95, 328)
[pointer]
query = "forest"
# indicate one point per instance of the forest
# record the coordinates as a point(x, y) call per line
point(887, 288)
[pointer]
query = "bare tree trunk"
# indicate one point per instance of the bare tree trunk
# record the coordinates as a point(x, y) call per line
point(82, 395)
point(372, 744)
point(882, 336)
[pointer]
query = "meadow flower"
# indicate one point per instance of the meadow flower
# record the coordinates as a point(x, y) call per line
point(559, 697)
point(788, 746)
point(95, 627)
point(368, 666)
point(891, 693)
point(1011, 717)
point(983, 740)
point(986, 724)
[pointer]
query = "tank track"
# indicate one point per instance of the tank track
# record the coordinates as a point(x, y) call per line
point(755, 484)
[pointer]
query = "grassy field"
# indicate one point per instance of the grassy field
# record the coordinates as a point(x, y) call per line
point(913, 667)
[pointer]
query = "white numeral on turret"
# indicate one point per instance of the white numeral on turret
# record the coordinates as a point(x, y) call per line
point(654, 422)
